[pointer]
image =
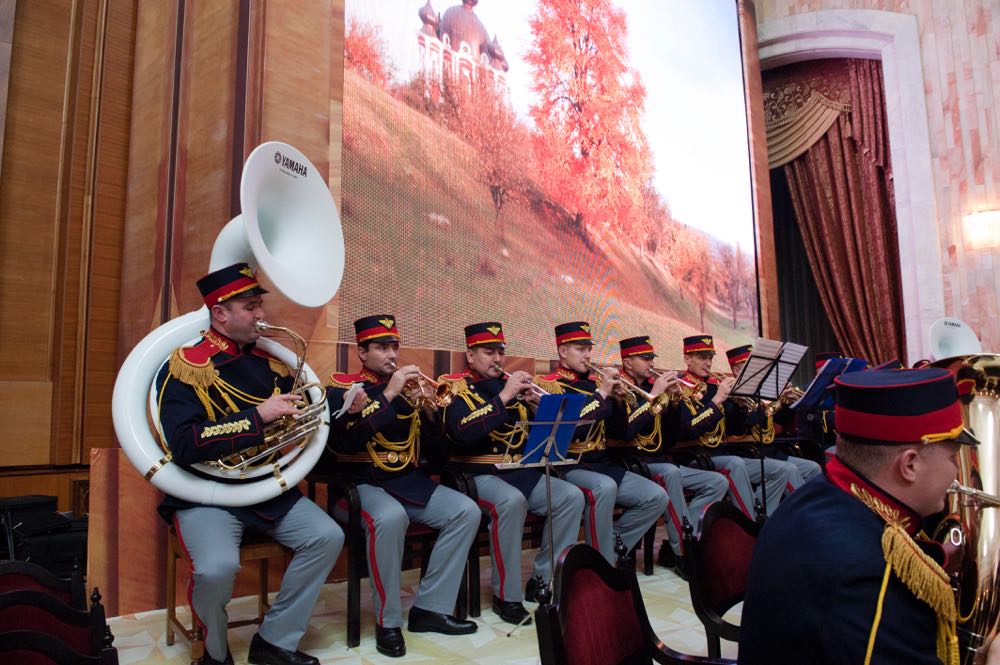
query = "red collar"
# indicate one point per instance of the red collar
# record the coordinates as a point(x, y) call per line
point(473, 375)
point(221, 342)
point(692, 378)
point(883, 504)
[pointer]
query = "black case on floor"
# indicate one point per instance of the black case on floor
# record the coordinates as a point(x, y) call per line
point(42, 535)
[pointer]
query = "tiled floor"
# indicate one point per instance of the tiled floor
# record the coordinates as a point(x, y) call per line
point(140, 637)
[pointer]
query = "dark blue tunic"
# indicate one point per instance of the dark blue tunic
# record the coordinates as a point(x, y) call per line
point(814, 585)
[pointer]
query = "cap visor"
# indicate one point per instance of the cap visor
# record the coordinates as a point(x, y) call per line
point(967, 438)
point(490, 345)
point(249, 293)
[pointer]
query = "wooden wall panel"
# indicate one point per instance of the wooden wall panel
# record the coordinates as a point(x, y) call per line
point(204, 142)
point(148, 166)
point(108, 180)
point(26, 429)
point(51, 482)
point(31, 232)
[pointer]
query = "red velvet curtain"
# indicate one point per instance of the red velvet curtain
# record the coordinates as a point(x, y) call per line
point(842, 196)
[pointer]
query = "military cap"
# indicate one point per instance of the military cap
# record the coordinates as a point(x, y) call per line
point(637, 346)
point(377, 328)
point(699, 344)
point(235, 281)
point(890, 407)
point(488, 334)
point(739, 354)
point(575, 332)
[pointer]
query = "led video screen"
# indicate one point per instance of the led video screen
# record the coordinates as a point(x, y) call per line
point(542, 161)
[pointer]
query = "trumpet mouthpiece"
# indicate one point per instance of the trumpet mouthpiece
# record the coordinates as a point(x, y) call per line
point(261, 325)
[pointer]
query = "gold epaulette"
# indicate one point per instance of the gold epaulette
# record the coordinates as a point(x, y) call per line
point(193, 366)
point(345, 380)
point(456, 382)
point(918, 571)
point(549, 383)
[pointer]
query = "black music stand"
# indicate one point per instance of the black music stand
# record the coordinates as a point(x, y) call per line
point(765, 374)
point(549, 435)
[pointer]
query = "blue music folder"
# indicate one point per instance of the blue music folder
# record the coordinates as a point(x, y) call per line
point(556, 416)
point(819, 393)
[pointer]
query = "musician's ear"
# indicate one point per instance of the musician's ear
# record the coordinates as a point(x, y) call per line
point(907, 463)
point(220, 312)
point(563, 350)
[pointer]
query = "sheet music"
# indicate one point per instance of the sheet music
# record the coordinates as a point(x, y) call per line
point(349, 396)
point(769, 368)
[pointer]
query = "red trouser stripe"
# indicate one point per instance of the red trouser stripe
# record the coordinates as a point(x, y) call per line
point(662, 482)
point(374, 563)
point(495, 538)
point(190, 584)
point(592, 521)
point(732, 489)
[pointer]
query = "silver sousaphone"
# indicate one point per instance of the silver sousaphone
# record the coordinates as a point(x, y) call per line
point(290, 228)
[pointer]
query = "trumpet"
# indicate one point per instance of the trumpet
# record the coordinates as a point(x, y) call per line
point(631, 392)
point(441, 391)
point(538, 390)
point(984, 498)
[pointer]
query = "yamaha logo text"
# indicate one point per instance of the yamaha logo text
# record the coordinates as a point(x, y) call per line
point(290, 164)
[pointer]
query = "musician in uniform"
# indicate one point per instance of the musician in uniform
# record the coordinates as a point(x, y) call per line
point(843, 573)
point(603, 481)
point(377, 445)
point(642, 431)
point(482, 425)
point(700, 419)
point(759, 425)
point(215, 398)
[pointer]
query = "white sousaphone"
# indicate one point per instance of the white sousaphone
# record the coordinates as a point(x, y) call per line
point(950, 337)
point(290, 228)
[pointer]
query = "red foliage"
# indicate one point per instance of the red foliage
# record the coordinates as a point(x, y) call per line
point(590, 102)
point(365, 51)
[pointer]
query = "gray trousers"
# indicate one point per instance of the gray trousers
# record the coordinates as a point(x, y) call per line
point(707, 486)
point(643, 500)
point(212, 537)
point(800, 471)
point(741, 482)
point(385, 519)
point(508, 509)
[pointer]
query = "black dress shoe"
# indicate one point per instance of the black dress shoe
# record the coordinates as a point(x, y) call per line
point(666, 556)
point(425, 621)
point(208, 660)
point(263, 652)
point(529, 590)
point(681, 568)
point(389, 642)
point(511, 612)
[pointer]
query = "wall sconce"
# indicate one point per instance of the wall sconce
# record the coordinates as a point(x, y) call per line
point(981, 230)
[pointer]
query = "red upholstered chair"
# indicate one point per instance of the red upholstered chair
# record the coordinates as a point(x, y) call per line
point(84, 633)
point(598, 617)
point(30, 647)
point(719, 566)
point(22, 575)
